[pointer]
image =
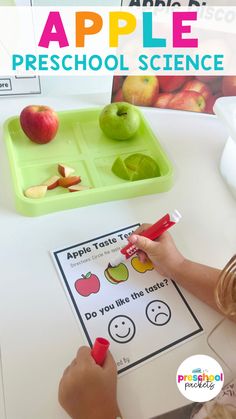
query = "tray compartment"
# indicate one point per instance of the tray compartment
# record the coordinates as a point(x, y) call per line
point(31, 175)
point(24, 151)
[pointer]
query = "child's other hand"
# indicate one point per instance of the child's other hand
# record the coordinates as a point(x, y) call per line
point(162, 252)
point(88, 391)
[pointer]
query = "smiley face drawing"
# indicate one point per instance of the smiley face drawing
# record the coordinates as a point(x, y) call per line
point(121, 329)
point(158, 312)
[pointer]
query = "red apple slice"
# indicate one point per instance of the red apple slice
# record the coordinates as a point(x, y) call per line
point(36, 191)
point(65, 182)
point(65, 171)
point(77, 188)
point(52, 182)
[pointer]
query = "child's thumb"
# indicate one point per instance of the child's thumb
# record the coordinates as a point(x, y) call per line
point(143, 243)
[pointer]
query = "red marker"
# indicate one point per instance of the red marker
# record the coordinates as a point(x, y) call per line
point(152, 233)
point(99, 350)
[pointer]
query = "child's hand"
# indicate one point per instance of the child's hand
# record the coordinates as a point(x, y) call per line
point(162, 252)
point(88, 391)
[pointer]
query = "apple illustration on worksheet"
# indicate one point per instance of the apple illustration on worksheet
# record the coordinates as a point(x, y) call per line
point(87, 285)
point(117, 274)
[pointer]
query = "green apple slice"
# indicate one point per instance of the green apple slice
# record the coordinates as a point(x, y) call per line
point(120, 170)
point(137, 166)
point(144, 166)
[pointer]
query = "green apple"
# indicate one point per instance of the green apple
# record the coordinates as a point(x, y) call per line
point(116, 274)
point(119, 121)
point(137, 166)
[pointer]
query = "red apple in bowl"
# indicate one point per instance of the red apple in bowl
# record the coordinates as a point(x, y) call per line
point(140, 90)
point(39, 123)
point(87, 285)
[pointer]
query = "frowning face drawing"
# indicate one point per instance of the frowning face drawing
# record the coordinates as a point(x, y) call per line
point(158, 312)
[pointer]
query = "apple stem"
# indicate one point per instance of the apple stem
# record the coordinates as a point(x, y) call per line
point(121, 113)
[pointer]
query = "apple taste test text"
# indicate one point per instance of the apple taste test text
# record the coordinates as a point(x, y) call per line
point(97, 245)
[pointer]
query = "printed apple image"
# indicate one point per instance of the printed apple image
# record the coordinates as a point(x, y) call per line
point(188, 101)
point(117, 274)
point(199, 87)
point(119, 121)
point(141, 267)
point(117, 83)
point(87, 285)
point(118, 96)
point(208, 79)
point(140, 90)
point(163, 100)
point(211, 102)
point(170, 84)
point(39, 123)
point(229, 85)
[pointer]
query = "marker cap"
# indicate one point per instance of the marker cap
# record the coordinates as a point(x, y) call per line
point(99, 350)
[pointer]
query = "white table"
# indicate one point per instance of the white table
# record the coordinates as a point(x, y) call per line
point(38, 332)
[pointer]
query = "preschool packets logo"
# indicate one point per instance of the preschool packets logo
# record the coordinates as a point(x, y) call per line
point(200, 378)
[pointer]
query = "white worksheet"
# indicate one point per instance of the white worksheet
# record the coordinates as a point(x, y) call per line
point(141, 313)
point(21, 84)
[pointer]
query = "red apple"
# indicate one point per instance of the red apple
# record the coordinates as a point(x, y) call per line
point(229, 85)
point(188, 101)
point(199, 87)
point(163, 100)
point(211, 102)
point(118, 97)
point(214, 82)
point(171, 83)
point(87, 285)
point(78, 188)
point(39, 123)
point(64, 170)
point(65, 182)
point(117, 83)
point(216, 86)
point(140, 90)
point(208, 79)
point(52, 182)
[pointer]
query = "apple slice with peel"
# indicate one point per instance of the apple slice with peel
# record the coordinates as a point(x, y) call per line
point(52, 182)
point(77, 188)
point(65, 182)
point(65, 171)
point(36, 191)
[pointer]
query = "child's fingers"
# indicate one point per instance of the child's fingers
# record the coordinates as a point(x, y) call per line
point(109, 363)
point(144, 244)
point(66, 370)
point(142, 256)
point(84, 355)
point(142, 228)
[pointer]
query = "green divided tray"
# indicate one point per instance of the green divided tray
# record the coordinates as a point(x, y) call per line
point(80, 144)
